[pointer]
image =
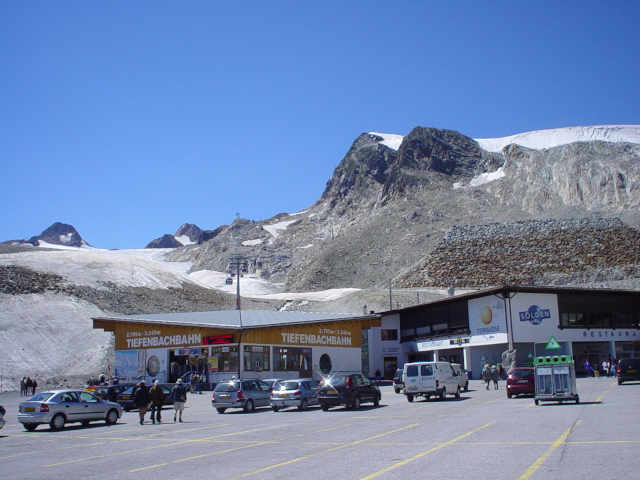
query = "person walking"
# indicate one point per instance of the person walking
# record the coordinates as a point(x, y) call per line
point(179, 396)
point(156, 396)
point(23, 386)
point(141, 400)
point(486, 375)
point(495, 376)
point(28, 386)
point(34, 385)
point(587, 367)
point(605, 367)
point(378, 375)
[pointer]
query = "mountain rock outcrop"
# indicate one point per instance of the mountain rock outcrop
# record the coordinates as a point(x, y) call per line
point(187, 234)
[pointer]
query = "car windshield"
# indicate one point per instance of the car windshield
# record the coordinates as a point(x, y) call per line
point(522, 373)
point(227, 387)
point(336, 380)
point(289, 386)
point(41, 397)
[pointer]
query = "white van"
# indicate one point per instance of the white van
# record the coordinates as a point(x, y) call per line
point(430, 378)
point(461, 375)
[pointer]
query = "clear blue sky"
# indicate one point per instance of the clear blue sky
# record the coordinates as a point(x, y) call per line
point(127, 119)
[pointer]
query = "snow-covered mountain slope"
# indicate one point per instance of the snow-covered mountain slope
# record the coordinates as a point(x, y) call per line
point(540, 139)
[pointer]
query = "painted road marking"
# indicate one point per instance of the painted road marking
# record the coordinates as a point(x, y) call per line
point(420, 455)
point(288, 462)
point(562, 439)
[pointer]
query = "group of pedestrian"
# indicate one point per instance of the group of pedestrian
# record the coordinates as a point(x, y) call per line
point(28, 386)
point(153, 398)
point(491, 374)
point(609, 368)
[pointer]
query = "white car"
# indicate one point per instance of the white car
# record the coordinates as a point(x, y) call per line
point(461, 375)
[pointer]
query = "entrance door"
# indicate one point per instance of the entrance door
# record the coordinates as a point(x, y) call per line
point(390, 366)
point(305, 363)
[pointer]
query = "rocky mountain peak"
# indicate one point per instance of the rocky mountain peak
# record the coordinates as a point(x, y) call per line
point(59, 234)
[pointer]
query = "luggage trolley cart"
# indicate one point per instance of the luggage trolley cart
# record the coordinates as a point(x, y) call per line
point(555, 379)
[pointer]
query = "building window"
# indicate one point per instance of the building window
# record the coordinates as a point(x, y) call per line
point(256, 358)
point(227, 358)
point(386, 334)
point(291, 359)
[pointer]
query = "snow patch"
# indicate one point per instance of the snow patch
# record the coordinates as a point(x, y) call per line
point(276, 228)
point(540, 139)
point(65, 238)
point(389, 139)
point(184, 240)
point(251, 243)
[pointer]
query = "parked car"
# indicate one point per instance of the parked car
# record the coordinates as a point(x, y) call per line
point(398, 384)
point(521, 381)
point(59, 407)
point(351, 390)
point(245, 394)
point(125, 399)
point(273, 382)
point(628, 370)
point(299, 393)
point(111, 392)
point(462, 376)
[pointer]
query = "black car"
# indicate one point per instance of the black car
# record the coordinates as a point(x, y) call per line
point(125, 399)
point(347, 389)
point(397, 381)
point(628, 370)
point(111, 392)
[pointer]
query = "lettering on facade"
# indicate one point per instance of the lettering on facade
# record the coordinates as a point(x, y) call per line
point(610, 334)
point(311, 339)
point(535, 315)
point(162, 341)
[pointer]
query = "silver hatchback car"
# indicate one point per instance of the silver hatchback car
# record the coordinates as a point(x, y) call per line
point(300, 392)
point(58, 407)
point(245, 394)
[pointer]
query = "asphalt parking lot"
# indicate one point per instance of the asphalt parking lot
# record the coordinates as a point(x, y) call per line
point(481, 435)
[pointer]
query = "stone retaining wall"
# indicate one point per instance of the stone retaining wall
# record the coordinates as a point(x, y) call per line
point(523, 253)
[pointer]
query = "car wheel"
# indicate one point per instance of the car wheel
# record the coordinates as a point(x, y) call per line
point(57, 422)
point(619, 382)
point(536, 402)
point(30, 427)
point(304, 404)
point(356, 403)
point(443, 393)
point(376, 401)
point(466, 386)
point(220, 410)
point(325, 408)
point(410, 398)
point(275, 408)
point(457, 392)
point(248, 407)
point(112, 417)
point(427, 397)
point(509, 394)
point(577, 400)
point(126, 409)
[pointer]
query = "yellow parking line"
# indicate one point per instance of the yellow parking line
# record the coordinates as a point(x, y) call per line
point(197, 457)
point(182, 442)
point(420, 455)
point(288, 462)
point(532, 469)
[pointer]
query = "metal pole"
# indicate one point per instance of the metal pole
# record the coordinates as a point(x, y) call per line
point(390, 299)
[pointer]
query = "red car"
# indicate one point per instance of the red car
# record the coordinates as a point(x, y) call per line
point(521, 381)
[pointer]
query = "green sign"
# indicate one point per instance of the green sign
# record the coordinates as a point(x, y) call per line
point(553, 344)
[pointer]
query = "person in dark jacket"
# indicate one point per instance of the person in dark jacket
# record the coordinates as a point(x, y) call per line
point(156, 395)
point(141, 400)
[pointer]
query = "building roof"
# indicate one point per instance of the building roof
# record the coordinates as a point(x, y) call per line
point(236, 319)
